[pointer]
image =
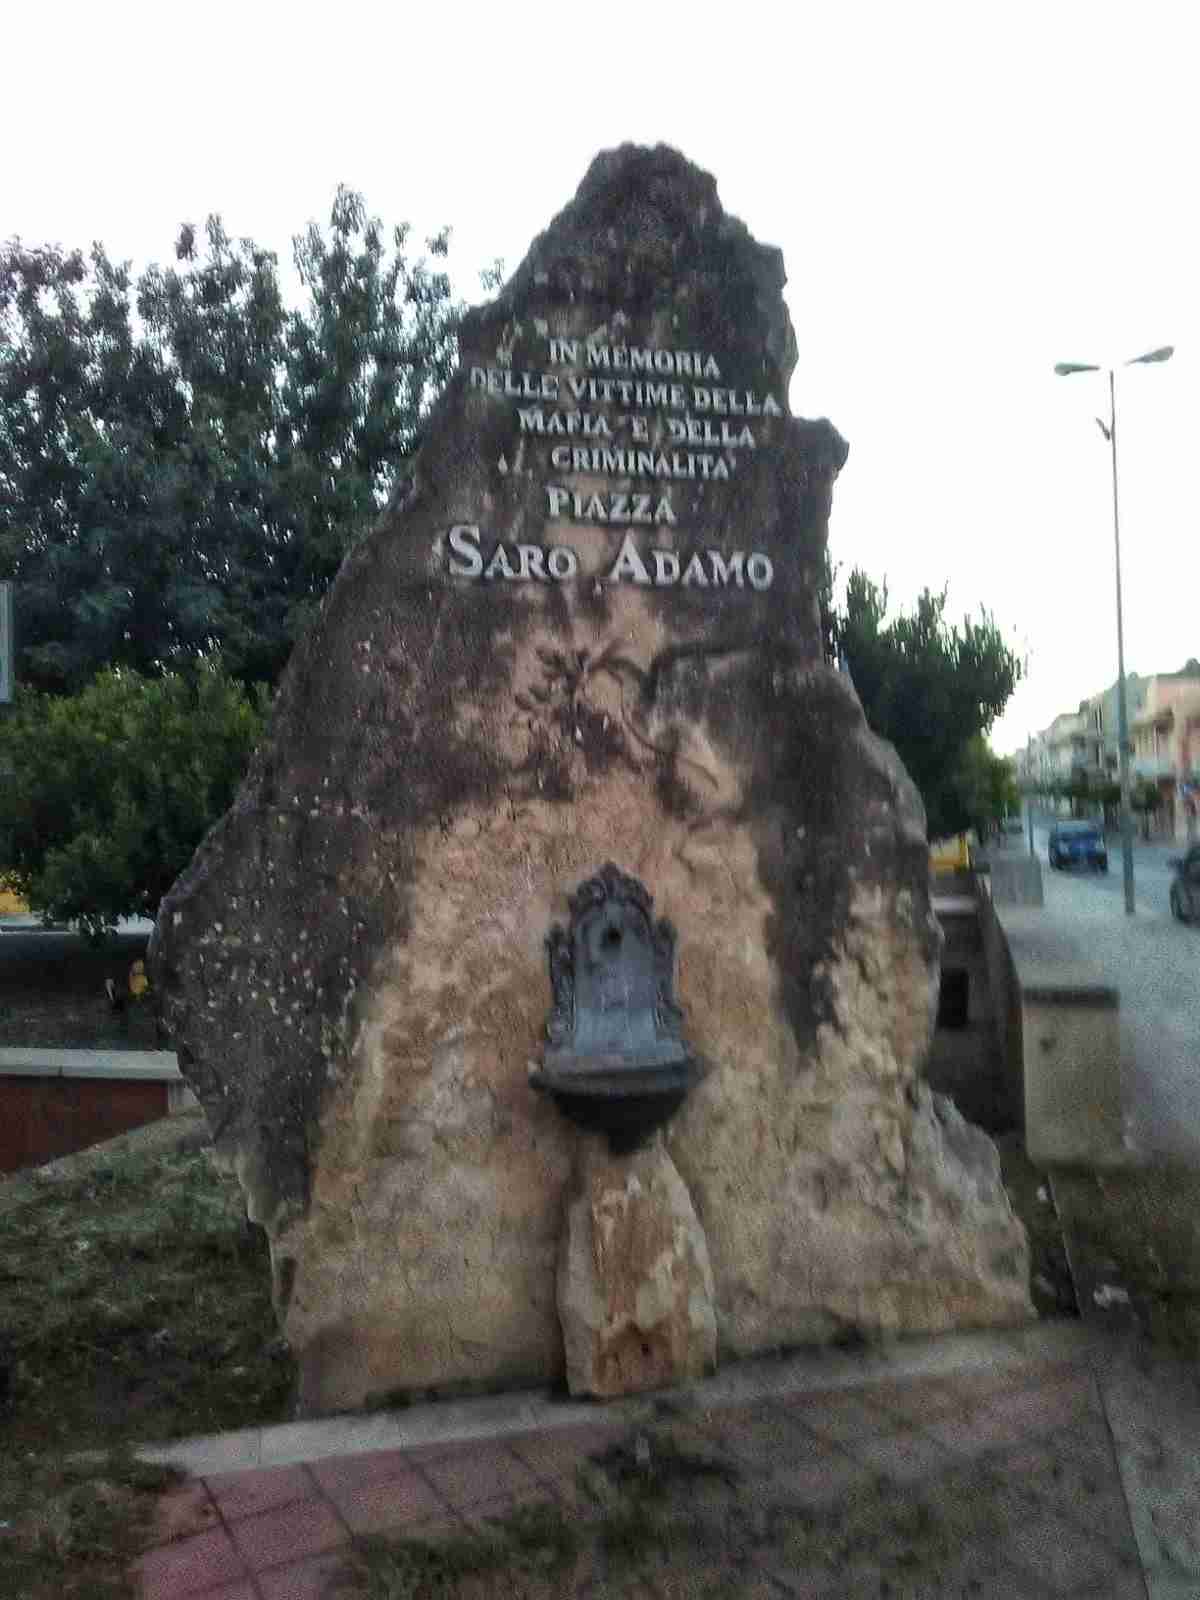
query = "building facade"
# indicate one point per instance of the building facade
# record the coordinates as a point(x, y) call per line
point(1166, 749)
point(1163, 712)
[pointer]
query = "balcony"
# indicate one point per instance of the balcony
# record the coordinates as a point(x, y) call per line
point(1153, 767)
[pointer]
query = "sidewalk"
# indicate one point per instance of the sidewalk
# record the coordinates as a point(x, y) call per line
point(1027, 1464)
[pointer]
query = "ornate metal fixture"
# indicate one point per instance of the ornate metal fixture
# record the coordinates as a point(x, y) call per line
point(617, 1061)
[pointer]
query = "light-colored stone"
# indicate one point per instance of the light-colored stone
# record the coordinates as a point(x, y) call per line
point(354, 970)
point(635, 1289)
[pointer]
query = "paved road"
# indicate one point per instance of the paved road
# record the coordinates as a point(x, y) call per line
point(1151, 874)
point(1155, 963)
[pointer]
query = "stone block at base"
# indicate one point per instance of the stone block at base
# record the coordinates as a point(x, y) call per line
point(635, 1289)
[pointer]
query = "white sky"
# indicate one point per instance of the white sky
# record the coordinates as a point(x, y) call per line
point(965, 193)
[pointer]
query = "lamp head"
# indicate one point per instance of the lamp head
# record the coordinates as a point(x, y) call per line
point(1163, 353)
point(1064, 369)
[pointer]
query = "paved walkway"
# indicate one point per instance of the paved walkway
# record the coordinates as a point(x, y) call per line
point(1055, 1462)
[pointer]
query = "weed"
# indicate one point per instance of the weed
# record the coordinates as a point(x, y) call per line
point(68, 1531)
point(525, 1554)
point(134, 1305)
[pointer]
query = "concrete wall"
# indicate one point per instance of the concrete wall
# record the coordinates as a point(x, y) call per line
point(966, 1059)
point(1058, 1030)
point(55, 1102)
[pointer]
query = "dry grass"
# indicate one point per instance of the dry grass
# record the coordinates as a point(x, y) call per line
point(69, 1530)
point(134, 1306)
point(656, 1517)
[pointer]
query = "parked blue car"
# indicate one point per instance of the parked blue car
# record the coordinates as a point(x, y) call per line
point(1078, 844)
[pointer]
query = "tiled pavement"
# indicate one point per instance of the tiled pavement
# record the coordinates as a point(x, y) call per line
point(1010, 1439)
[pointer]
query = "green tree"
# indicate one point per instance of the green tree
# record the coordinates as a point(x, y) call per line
point(928, 687)
point(111, 789)
point(184, 461)
point(1144, 799)
point(986, 785)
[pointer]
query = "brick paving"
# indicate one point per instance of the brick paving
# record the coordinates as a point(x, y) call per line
point(1021, 1462)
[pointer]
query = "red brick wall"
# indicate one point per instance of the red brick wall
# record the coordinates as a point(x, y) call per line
point(41, 1118)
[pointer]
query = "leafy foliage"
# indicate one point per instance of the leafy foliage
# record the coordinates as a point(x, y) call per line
point(1086, 793)
point(986, 784)
point(113, 788)
point(184, 461)
point(928, 687)
point(72, 1528)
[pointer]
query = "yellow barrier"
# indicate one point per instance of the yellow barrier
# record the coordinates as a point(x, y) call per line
point(950, 855)
point(10, 901)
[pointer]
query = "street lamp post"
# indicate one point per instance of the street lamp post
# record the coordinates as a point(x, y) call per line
point(1064, 369)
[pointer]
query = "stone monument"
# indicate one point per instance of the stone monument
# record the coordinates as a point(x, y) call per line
point(586, 633)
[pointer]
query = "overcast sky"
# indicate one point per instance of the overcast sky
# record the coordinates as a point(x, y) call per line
point(964, 194)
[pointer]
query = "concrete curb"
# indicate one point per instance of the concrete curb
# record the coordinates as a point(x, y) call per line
point(455, 1421)
point(36, 1062)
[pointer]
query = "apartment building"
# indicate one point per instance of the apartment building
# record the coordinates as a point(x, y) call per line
point(1166, 748)
point(1163, 711)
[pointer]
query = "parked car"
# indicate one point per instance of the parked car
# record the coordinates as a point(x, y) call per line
point(1185, 886)
point(1078, 844)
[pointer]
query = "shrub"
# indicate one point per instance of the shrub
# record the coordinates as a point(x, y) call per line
point(110, 790)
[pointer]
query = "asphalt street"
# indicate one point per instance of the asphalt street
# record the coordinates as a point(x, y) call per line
point(1154, 962)
point(1151, 874)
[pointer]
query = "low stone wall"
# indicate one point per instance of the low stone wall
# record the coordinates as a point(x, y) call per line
point(967, 1059)
point(1016, 880)
point(56, 1102)
point(1058, 1028)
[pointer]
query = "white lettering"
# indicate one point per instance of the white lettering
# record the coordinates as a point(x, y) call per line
point(464, 541)
point(629, 358)
point(699, 430)
point(563, 563)
point(724, 571)
point(666, 567)
point(532, 562)
point(498, 566)
point(629, 564)
point(760, 571)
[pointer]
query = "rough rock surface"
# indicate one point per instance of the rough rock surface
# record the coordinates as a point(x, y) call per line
point(353, 968)
point(635, 1289)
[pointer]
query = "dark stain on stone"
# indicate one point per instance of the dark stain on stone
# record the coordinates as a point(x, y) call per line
point(674, 796)
point(596, 735)
point(398, 703)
